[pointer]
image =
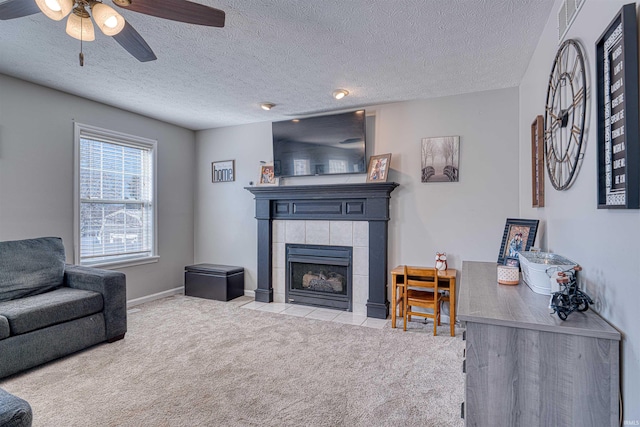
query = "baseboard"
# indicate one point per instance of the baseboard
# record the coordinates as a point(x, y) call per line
point(249, 293)
point(137, 301)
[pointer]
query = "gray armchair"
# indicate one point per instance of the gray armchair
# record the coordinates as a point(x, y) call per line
point(49, 310)
point(14, 412)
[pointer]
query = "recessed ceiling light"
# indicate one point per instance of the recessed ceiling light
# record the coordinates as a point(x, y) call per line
point(340, 93)
point(267, 106)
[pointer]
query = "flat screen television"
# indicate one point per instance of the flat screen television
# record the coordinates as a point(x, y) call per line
point(322, 145)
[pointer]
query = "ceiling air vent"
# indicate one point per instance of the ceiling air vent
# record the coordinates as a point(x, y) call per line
point(566, 15)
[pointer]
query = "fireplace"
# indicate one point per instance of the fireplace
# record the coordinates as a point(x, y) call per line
point(319, 275)
point(305, 209)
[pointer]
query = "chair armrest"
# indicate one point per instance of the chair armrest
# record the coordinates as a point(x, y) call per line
point(14, 411)
point(112, 285)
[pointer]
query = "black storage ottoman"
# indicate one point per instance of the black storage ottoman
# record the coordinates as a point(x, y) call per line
point(211, 281)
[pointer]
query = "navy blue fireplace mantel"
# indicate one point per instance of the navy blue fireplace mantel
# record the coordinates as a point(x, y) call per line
point(339, 202)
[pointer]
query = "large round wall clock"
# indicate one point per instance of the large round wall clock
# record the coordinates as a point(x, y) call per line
point(564, 115)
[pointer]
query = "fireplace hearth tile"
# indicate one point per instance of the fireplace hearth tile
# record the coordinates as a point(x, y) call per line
point(279, 280)
point(361, 234)
point(294, 231)
point(361, 261)
point(278, 231)
point(376, 323)
point(323, 314)
point(360, 293)
point(298, 310)
point(341, 233)
point(279, 255)
point(317, 232)
point(274, 307)
point(359, 309)
point(351, 319)
point(254, 305)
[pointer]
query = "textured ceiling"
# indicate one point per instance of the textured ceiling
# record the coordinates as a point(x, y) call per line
point(293, 53)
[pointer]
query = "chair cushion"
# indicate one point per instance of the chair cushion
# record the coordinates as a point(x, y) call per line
point(14, 412)
point(39, 311)
point(5, 332)
point(30, 267)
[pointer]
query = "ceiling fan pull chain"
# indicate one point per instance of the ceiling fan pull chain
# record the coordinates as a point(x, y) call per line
point(81, 56)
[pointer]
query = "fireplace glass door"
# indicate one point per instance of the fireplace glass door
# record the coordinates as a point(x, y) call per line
point(319, 275)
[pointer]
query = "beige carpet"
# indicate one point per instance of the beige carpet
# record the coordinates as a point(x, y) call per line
point(194, 362)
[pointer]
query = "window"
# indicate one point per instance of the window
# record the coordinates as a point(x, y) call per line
point(115, 205)
point(301, 167)
point(338, 166)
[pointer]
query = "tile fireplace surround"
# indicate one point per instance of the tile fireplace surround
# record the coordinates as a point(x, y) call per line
point(353, 215)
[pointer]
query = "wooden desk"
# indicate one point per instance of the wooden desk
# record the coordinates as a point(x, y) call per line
point(446, 282)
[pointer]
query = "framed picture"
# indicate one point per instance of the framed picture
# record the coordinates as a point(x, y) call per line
point(379, 168)
point(537, 162)
point(519, 235)
point(223, 171)
point(617, 107)
point(267, 175)
point(440, 159)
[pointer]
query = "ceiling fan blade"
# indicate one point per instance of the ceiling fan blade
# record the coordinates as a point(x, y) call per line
point(17, 8)
point(176, 10)
point(133, 43)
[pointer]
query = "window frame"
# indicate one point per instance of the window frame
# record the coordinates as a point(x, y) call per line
point(119, 138)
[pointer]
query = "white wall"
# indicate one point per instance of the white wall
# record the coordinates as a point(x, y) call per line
point(225, 228)
point(604, 241)
point(36, 175)
point(465, 219)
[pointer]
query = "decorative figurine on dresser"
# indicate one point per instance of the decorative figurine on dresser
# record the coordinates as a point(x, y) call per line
point(570, 298)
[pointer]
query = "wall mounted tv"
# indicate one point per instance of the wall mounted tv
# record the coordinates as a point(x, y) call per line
point(322, 145)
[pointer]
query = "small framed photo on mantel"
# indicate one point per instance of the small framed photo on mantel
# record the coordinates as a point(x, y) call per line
point(223, 171)
point(267, 175)
point(379, 166)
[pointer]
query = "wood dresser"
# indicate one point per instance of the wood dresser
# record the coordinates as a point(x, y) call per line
point(526, 367)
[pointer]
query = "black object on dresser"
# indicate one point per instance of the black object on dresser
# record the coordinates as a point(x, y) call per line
point(212, 281)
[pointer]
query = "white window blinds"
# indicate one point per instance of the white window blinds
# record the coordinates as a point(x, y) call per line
point(115, 194)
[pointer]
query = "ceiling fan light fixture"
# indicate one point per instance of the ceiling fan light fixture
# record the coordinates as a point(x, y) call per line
point(79, 26)
point(107, 19)
point(267, 106)
point(55, 9)
point(340, 93)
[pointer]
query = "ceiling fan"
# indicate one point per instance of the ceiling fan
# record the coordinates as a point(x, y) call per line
point(110, 22)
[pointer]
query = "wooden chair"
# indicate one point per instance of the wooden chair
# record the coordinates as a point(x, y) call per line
point(399, 302)
point(421, 290)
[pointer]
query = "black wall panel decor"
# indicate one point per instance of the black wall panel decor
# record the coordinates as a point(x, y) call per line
point(617, 90)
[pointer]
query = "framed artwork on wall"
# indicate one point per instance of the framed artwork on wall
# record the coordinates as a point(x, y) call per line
point(223, 171)
point(519, 235)
point(379, 166)
point(267, 175)
point(537, 162)
point(440, 159)
point(617, 89)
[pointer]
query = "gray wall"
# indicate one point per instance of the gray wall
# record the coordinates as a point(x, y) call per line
point(604, 242)
point(464, 219)
point(36, 175)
